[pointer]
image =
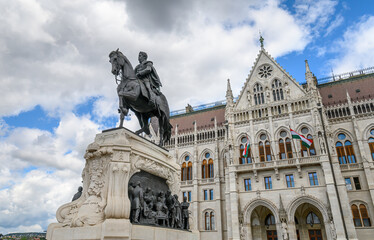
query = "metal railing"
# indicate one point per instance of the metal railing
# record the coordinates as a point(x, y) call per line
point(342, 76)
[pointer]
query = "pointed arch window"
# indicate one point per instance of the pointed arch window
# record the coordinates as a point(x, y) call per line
point(258, 94)
point(371, 146)
point(311, 151)
point(277, 90)
point(209, 220)
point(269, 220)
point(264, 149)
point(184, 172)
point(204, 169)
point(207, 168)
point(350, 152)
point(312, 218)
point(345, 151)
point(189, 171)
point(360, 215)
point(285, 146)
point(242, 158)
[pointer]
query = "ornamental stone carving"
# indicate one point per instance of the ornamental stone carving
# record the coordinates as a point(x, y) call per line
point(158, 170)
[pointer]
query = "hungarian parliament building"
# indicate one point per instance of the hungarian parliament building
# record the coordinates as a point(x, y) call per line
point(281, 189)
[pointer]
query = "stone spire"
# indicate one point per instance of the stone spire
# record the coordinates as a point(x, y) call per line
point(229, 95)
point(282, 211)
point(309, 77)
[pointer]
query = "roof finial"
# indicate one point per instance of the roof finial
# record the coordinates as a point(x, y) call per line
point(261, 40)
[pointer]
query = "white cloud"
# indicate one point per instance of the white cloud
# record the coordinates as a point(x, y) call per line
point(316, 13)
point(355, 47)
point(43, 169)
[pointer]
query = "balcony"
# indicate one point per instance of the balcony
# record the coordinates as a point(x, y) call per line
point(284, 163)
point(352, 166)
point(186, 183)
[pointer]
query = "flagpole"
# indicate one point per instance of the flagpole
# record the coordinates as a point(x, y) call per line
point(296, 152)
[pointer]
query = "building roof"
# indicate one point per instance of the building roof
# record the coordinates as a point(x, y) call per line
point(358, 87)
point(203, 119)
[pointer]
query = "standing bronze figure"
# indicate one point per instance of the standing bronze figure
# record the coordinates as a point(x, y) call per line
point(139, 91)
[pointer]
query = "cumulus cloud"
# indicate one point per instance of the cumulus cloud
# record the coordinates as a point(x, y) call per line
point(315, 14)
point(355, 47)
point(36, 166)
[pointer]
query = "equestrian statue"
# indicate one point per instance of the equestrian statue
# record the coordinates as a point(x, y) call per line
point(139, 91)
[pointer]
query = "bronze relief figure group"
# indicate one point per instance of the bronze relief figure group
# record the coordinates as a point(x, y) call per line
point(157, 208)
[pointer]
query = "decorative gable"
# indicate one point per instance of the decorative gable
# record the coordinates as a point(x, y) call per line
point(267, 83)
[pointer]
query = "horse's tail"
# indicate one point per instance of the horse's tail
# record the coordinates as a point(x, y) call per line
point(165, 113)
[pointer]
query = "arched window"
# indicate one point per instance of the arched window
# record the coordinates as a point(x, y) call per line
point(277, 90)
point(365, 216)
point(184, 172)
point(204, 169)
point(312, 218)
point(305, 152)
point(341, 153)
point(209, 220)
point(189, 171)
point(212, 222)
point(371, 146)
point(258, 94)
point(350, 152)
point(285, 147)
point(312, 150)
point(207, 169)
point(264, 148)
point(269, 220)
point(360, 216)
point(242, 159)
point(268, 151)
point(346, 154)
point(210, 168)
point(356, 216)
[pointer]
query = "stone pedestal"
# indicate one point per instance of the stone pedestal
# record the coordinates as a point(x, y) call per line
point(103, 210)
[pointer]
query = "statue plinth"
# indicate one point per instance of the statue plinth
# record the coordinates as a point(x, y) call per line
point(103, 210)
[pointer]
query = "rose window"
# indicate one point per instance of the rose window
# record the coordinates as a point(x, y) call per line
point(265, 71)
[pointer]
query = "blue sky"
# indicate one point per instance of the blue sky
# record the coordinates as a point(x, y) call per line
point(57, 90)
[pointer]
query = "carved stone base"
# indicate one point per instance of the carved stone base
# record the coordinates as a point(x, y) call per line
point(103, 210)
point(118, 229)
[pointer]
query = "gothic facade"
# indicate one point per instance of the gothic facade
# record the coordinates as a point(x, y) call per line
point(282, 189)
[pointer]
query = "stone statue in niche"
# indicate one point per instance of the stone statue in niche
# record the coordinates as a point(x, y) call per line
point(284, 230)
point(185, 214)
point(78, 194)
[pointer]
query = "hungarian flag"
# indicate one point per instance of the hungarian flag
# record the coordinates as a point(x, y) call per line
point(246, 149)
point(306, 142)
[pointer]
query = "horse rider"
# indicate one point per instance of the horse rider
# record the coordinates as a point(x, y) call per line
point(148, 75)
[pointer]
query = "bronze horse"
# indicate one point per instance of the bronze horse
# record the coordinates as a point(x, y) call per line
point(133, 95)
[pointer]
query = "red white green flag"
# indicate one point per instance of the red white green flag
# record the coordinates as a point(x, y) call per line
point(246, 148)
point(306, 142)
